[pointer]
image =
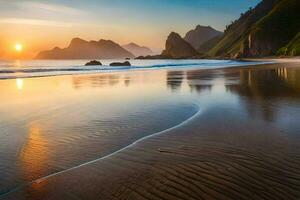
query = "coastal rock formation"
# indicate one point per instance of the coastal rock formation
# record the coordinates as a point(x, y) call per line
point(126, 63)
point(81, 49)
point(93, 62)
point(261, 31)
point(176, 47)
point(137, 50)
point(200, 35)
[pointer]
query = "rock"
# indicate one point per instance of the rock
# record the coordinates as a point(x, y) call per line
point(126, 63)
point(178, 48)
point(93, 62)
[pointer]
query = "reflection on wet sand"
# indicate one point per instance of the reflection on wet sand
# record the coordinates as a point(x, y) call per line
point(127, 81)
point(34, 155)
point(266, 88)
point(229, 151)
point(59, 122)
point(96, 80)
point(19, 83)
point(258, 89)
point(275, 83)
point(174, 80)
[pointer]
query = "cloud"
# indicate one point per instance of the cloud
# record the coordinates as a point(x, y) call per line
point(35, 6)
point(36, 22)
point(55, 8)
point(39, 13)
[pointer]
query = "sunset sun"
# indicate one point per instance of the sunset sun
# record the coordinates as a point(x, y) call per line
point(18, 47)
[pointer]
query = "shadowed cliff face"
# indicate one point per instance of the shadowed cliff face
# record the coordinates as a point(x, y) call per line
point(200, 35)
point(176, 47)
point(81, 49)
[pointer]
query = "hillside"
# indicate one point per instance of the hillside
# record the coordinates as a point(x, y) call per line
point(261, 31)
point(206, 46)
point(276, 29)
point(292, 49)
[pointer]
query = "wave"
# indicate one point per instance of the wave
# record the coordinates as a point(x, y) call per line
point(10, 72)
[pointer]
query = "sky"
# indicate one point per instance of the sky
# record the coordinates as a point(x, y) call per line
point(43, 24)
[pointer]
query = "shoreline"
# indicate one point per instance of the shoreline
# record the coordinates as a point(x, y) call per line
point(197, 159)
point(147, 68)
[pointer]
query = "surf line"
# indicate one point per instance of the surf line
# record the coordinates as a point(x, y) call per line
point(39, 180)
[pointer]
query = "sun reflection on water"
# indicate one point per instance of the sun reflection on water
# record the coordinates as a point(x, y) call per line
point(20, 83)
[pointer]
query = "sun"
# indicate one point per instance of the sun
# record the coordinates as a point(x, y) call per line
point(18, 47)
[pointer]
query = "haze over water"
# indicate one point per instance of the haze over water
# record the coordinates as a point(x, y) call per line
point(51, 124)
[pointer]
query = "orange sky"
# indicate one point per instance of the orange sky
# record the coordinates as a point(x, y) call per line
point(43, 24)
point(35, 38)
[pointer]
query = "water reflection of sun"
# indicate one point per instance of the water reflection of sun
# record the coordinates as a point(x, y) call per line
point(19, 83)
point(34, 155)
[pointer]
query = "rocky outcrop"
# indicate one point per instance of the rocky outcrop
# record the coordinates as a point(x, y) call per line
point(93, 62)
point(115, 64)
point(176, 48)
point(137, 50)
point(81, 49)
point(200, 35)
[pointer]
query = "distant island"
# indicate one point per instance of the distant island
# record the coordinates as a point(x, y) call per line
point(81, 49)
point(137, 50)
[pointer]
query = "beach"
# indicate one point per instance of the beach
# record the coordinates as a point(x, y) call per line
point(221, 133)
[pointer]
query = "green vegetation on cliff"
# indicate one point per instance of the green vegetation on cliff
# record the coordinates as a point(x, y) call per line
point(292, 49)
point(261, 31)
point(276, 29)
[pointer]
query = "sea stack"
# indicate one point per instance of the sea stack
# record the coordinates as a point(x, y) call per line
point(178, 48)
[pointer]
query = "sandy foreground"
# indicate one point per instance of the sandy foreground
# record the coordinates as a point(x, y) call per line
point(217, 154)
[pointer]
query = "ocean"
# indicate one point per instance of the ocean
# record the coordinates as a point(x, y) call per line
point(38, 68)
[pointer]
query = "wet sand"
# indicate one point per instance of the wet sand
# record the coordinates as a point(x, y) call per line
point(249, 149)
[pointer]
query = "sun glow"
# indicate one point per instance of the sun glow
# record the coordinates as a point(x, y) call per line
point(18, 47)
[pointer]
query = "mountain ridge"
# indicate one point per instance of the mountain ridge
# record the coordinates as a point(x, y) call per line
point(201, 34)
point(82, 49)
point(137, 50)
